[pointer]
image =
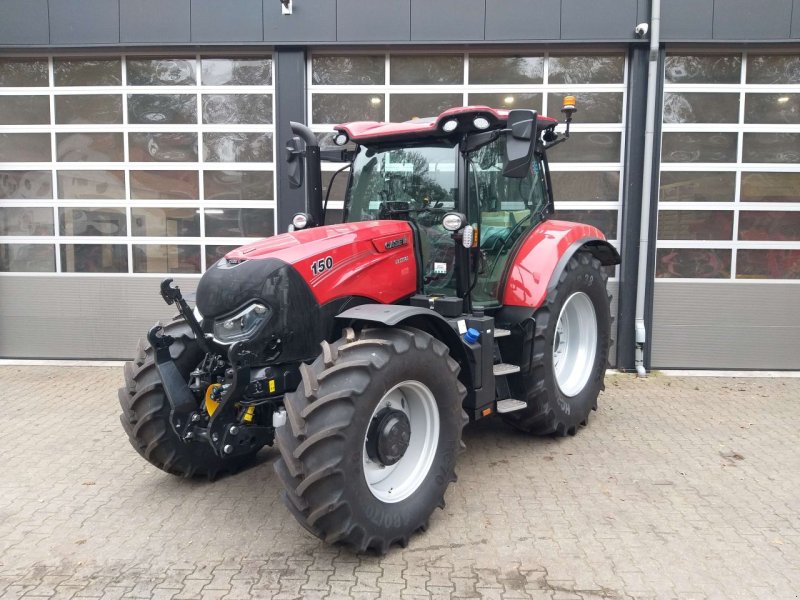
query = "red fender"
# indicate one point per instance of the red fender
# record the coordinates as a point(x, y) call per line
point(543, 255)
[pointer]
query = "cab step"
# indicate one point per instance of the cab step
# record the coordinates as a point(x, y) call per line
point(501, 369)
point(498, 332)
point(510, 405)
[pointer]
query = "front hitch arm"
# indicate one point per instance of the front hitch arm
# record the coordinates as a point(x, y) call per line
point(172, 295)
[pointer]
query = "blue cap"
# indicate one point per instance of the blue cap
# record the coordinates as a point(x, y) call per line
point(472, 335)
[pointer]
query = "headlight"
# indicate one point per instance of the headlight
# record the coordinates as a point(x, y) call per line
point(242, 325)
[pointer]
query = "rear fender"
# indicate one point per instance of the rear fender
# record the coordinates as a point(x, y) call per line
point(543, 256)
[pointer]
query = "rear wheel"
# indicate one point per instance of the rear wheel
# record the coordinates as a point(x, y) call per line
point(371, 438)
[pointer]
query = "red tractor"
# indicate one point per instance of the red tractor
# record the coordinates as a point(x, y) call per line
point(363, 348)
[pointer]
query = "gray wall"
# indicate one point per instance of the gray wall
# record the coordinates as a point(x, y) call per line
point(132, 22)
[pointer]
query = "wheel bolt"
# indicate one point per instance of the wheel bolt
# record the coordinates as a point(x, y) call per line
point(195, 417)
point(228, 449)
point(189, 435)
point(214, 437)
point(233, 430)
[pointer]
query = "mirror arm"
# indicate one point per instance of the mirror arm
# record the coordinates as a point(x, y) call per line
point(479, 140)
point(337, 155)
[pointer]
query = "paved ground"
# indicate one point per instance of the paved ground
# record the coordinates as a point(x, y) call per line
point(680, 488)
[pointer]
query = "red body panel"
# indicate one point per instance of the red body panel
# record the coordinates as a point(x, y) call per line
point(529, 275)
point(373, 259)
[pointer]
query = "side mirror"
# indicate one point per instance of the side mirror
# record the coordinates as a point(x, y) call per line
point(294, 158)
point(521, 139)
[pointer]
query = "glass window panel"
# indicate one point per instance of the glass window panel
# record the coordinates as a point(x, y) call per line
point(699, 107)
point(604, 220)
point(588, 147)
point(425, 69)
point(404, 107)
point(354, 69)
point(237, 147)
point(18, 185)
point(698, 147)
point(31, 258)
point(166, 258)
point(239, 222)
point(237, 108)
point(772, 108)
point(161, 71)
point(587, 69)
point(695, 225)
point(703, 68)
point(236, 71)
point(94, 258)
point(769, 225)
point(24, 110)
point(507, 100)
point(339, 185)
point(490, 69)
point(770, 187)
point(161, 109)
point(87, 71)
point(773, 68)
point(162, 147)
point(25, 147)
point(583, 186)
point(768, 264)
point(343, 108)
point(334, 216)
point(215, 252)
point(90, 147)
point(26, 221)
point(771, 147)
point(165, 222)
point(238, 185)
point(88, 108)
point(165, 185)
point(24, 72)
point(593, 107)
point(92, 221)
point(91, 185)
point(697, 186)
point(707, 263)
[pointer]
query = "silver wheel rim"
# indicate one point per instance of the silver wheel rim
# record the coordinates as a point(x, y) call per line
point(575, 344)
point(397, 482)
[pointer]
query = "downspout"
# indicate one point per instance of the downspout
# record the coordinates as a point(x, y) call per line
point(647, 185)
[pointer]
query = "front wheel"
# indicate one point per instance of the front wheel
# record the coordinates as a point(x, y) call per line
point(371, 438)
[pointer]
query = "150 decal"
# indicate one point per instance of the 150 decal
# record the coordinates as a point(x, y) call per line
point(323, 264)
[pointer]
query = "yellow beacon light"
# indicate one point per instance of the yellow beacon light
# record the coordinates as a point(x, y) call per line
point(569, 104)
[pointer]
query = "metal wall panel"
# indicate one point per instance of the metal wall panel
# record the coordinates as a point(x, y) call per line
point(311, 20)
point(230, 21)
point(744, 19)
point(730, 325)
point(598, 19)
point(84, 23)
point(376, 21)
point(796, 20)
point(447, 20)
point(523, 20)
point(687, 19)
point(24, 22)
point(154, 21)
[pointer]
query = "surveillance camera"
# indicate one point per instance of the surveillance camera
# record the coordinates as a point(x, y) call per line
point(641, 30)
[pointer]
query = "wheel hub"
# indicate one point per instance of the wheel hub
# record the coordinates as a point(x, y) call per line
point(575, 344)
point(388, 436)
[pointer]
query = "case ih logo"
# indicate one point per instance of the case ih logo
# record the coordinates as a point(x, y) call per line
point(395, 243)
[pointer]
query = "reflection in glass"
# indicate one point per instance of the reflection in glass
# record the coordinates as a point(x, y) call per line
point(604, 220)
point(215, 252)
point(769, 225)
point(426, 69)
point(586, 186)
point(700, 107)
point(162, 147)
point(24, 110)
point(239, 222)
point(698, 146)
point(587, 69)
point(88, 108)
point(237, 147)
point(94, 258)
point(23, 72)
point(695, 224)
point(355, 69)
point(507, 100)
point(593, 107)
point(92, 221)
point(87, 71)
point(89, 147)
point(697, 186)
point(771, 147)
point(30, 258)
point(708, 263)
point(334, 216)
point(91, 185)
point(34, 185)
point(165, 222)
point(26, 221)
point(703, 68)
point(166, 258)
point(339, 185)
point(588, 147)
point(161, 109)
point(160, 71)
point(343, 108)
point(165, 185)
point(238, 185)
point(772, 108)
point(405, 107)
point(237, 108)
point(770, 187)
point(491, 69)
point(768, 264)
point(236, 71)
point(773, 68)
point(25, 147)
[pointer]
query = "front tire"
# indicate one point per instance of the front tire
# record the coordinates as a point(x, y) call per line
point(331, 455)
